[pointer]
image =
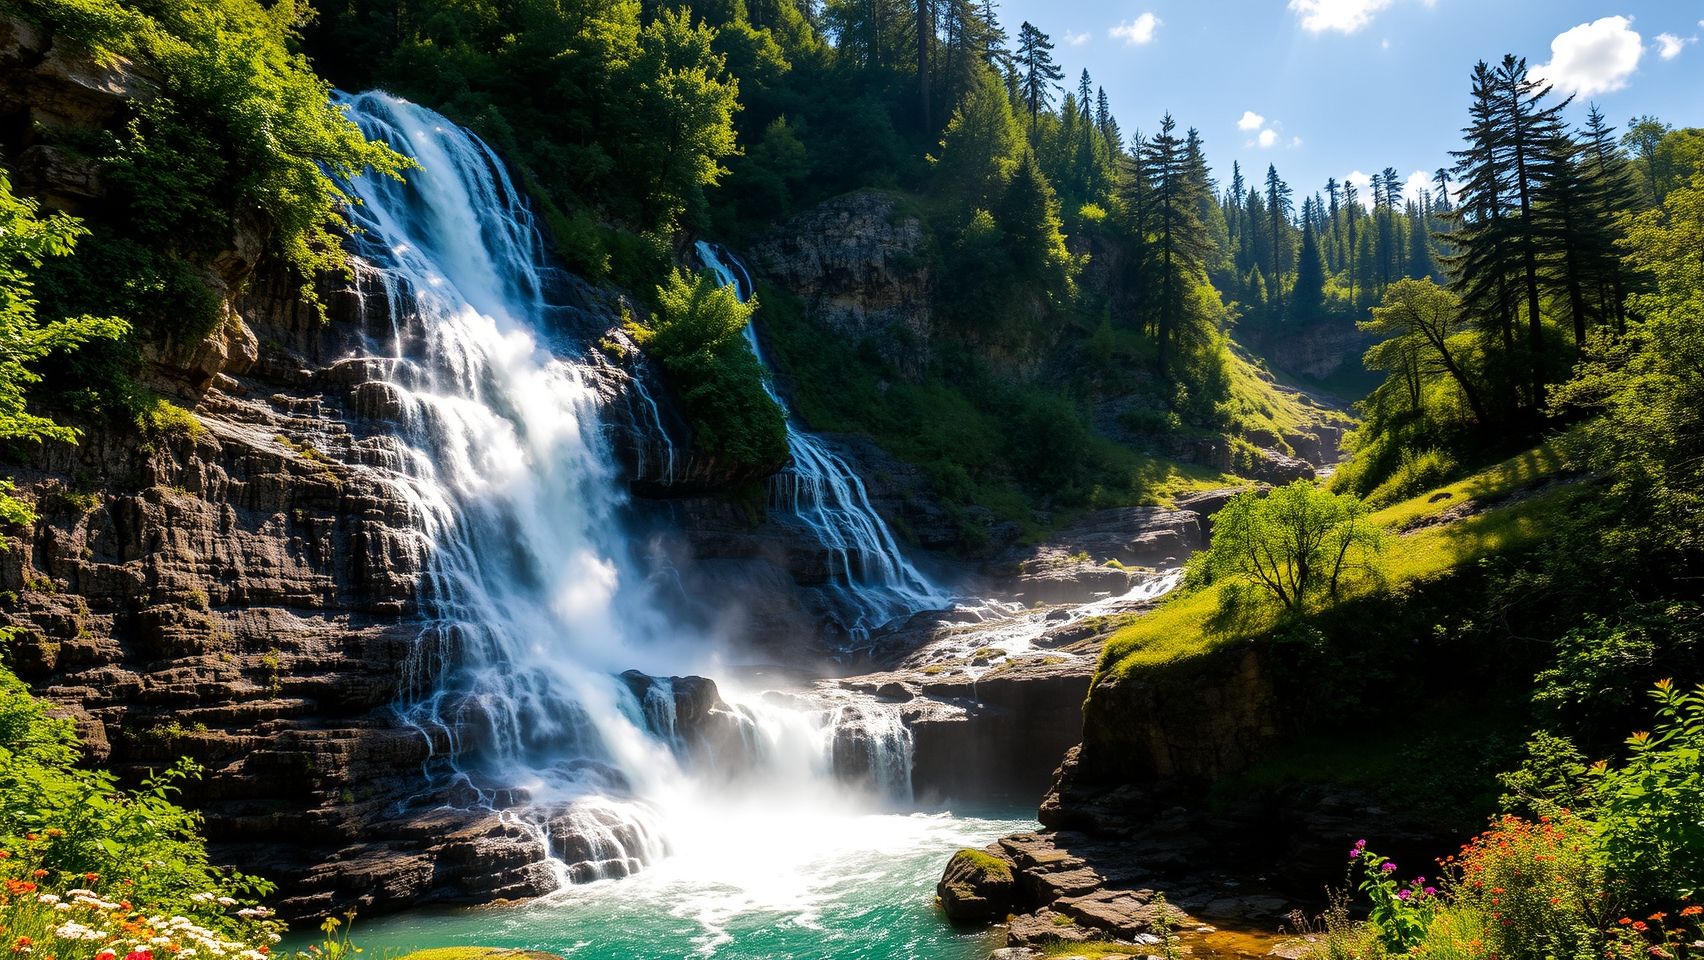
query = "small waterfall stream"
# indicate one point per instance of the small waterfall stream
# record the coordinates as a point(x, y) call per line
point(536, 602)
point(872, 581)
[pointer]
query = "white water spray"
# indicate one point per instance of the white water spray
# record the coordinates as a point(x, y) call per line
point(872, 581)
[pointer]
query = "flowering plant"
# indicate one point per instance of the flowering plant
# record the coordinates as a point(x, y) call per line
point(1401, 912)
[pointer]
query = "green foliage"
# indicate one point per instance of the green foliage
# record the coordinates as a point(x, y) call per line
point(1293, 544)
point(27, 240)
point(697, 335)
point(1649, 809)
point(618, 121)
point(78, 821)
point(242, 124)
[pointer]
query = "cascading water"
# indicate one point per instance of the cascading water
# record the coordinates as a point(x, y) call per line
point(535, 600)
point(873, 583)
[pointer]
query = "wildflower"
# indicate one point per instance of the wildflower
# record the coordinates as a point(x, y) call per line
point(1388, 867)
point(1691, 911)
point(21, 944)
point(91, 877)
point(55, 832)
point(5, 854)
point(139, 955)
point(1625, 921)
point(106, 955)
point(1431, 891)
point(39, 874)
point(46, 898)
point(1403, 894)
point(1659, 916)
point(1639, 925)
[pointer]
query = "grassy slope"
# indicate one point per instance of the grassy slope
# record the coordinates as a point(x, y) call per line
point(1194, 623)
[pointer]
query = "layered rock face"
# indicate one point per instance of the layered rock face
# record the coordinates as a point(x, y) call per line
point(858, 264)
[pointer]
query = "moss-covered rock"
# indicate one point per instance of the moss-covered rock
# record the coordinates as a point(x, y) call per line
point(978, 886)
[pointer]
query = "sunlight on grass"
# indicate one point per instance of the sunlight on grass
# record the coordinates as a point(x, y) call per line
point(1192, 624)
point(1500, 480)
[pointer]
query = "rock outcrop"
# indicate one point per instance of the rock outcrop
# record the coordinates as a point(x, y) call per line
point(858, 264)
point(977, 886)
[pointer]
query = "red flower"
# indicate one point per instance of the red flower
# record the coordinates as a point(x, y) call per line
point(91, 877)
point(139, 955)
point(1691, 911)
point(39, 874)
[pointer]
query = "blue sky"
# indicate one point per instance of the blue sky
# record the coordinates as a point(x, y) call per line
point(1329, 87)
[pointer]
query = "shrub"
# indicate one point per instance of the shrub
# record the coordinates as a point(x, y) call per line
point(66, 821)
point(1540, 883)
point(697, 335)
point(1650, 809)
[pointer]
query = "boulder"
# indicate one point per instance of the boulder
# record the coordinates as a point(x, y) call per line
point(977, 887)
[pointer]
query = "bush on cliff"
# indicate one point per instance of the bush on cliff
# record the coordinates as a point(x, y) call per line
point(697, 334)
point(27, 239)
point(231, 144)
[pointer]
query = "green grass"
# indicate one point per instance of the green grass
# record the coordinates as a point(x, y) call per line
point(1198, 622)
point(1492, 483)
point(1256, 405)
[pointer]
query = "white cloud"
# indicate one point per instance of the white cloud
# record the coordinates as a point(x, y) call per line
point(1593, 58)
point(1363, 182)
point(1138, 31)
point(1077, 39)
point(1267, 138)
point(1418, 182)
point(1295, 142)
point(1669, 45)
point(1344, 16)
point(1251, 121)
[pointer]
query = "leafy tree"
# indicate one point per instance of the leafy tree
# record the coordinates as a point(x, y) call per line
point(1421, 325)
point(1295, 544)
point(27, 239)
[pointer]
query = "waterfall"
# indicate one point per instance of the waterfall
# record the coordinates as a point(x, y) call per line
point(535, 602)
point(872, 583)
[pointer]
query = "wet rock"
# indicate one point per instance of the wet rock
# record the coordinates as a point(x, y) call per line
point(977, 886)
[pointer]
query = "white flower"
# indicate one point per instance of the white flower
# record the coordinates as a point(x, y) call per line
point(254, 913)
point(227, 902)
point(46, 898)
point(204, 897)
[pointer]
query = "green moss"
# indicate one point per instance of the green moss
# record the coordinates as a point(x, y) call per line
point(164, 418)
point(985, 863)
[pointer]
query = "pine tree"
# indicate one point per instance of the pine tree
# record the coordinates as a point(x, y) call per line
point(1309, 293)
point(1038, 72)
point(1529, 129)
point(1178, 248)
point(1351, 213)
point(1278, 207)
point(1611, 178)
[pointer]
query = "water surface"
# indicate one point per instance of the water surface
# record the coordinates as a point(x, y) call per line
point(768, 884)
